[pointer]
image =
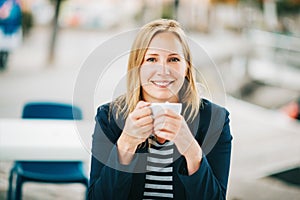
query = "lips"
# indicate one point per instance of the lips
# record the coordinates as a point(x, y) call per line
point(162, 84)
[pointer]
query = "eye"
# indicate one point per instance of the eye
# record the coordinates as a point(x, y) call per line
point(174, 59)
point(151, 59)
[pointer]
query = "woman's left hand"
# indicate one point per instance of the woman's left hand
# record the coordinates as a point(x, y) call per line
point(168, 125)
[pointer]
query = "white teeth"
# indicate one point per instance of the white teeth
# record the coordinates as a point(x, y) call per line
point(164, 83)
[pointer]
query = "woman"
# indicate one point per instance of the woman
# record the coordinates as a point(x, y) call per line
point(166, 156)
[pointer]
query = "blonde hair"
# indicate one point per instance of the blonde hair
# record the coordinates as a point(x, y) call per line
point(189, 94)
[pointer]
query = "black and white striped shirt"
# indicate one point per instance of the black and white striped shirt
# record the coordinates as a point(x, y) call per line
point(159, 176)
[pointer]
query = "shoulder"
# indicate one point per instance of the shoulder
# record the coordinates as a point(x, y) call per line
point(213, 121)
point(210, 110)
point(103, 109)
point(103, 113)
point(106, 120)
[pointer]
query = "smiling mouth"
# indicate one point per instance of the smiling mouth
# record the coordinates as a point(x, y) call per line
point(162, 84)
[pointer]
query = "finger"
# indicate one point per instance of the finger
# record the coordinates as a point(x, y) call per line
point(142, 112)
point(147, 131)
point(169, 127)
point(142, 104)
point(143, 132)
point(144, 121)
point(165, 135)
point(166, 119)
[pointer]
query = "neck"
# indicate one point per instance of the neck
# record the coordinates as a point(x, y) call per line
point(173, 99)
point(160, 140)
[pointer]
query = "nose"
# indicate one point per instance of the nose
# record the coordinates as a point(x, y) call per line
point(164, 69)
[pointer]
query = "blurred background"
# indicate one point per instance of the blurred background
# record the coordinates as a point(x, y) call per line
point(254, 46)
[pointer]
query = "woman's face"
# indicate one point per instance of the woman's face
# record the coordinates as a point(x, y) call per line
point(163, 69)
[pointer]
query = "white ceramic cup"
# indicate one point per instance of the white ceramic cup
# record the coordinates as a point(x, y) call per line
point(156, 107)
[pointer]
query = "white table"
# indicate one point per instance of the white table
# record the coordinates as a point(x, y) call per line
point(45, 139)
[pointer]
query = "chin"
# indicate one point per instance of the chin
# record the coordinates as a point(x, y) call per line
point(160, 95)
point(165, 97)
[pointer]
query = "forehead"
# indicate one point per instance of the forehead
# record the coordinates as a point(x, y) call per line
point(165, 42)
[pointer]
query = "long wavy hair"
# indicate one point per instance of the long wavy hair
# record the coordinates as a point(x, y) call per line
point(188, 94)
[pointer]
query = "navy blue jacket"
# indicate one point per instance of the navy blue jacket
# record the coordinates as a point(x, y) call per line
point(111, 180)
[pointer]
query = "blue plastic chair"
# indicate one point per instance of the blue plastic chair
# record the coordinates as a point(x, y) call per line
point(47, 171)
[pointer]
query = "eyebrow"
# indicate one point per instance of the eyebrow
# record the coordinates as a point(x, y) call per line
point(151, 54)
point(174, 54)
point(155, 54)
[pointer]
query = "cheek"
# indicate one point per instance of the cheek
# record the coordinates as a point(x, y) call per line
point(180, 72)
point(146, 73)
point(180, 75)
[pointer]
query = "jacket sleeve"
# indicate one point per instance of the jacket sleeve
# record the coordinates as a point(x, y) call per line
point(108, 178)
point(210, 180)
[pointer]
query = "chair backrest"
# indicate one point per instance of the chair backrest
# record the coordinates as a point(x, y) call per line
point(51, 110)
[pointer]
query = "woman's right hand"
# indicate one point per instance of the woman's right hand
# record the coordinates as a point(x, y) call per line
point(138, 127)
